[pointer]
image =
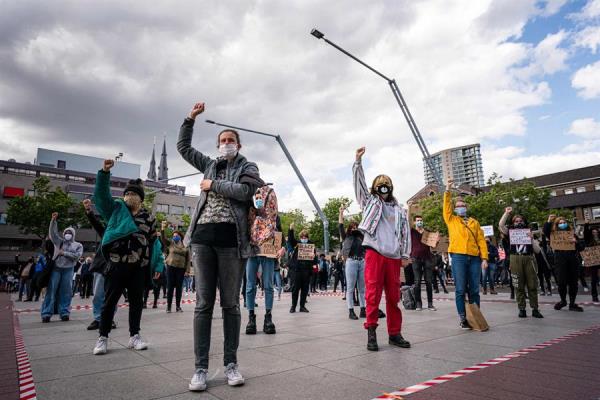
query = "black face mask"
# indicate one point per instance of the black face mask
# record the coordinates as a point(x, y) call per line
point(355, 232)
point(520, 225)
point(384, 189)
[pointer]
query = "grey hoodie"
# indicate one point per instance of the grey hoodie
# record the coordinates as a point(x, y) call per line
point(72, 250)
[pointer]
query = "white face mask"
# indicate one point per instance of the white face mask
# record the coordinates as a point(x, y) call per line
point(228, 151)
point(68, 236)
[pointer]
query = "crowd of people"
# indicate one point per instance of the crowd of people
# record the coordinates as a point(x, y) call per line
point(235, 246)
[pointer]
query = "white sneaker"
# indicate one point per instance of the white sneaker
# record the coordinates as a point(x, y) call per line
point(136, 342)
point(419, 309)
point(234, 378)
point(586, 289)
point(432, 308)
point(198, 382)
point(101, 345)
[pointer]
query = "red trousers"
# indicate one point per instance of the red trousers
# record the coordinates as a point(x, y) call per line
point(382, 273)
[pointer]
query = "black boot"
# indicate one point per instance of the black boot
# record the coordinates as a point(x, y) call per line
point(292, 309)
point(560, 305)
point(522, 314)
point(251, 327)
point(536, 314)
point(269, 326)
point(575, 307)
point(398, 340)
point(363, 312)
point(372, 339)
point(381, 314)
point(351, 314)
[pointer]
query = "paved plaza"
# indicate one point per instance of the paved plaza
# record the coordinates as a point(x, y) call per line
point(319, 355)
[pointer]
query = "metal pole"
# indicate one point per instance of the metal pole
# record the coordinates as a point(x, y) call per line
point(399, 98)
point(298, 173)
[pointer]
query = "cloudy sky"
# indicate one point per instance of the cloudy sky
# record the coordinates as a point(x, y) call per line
point(521, 77)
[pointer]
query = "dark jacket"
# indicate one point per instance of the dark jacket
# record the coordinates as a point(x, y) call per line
point(294, 262)
point(351, 244)
point(99, 262)
point(242, 181)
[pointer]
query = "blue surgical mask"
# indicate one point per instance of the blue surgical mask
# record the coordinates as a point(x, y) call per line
point(304, 240)
point(259, 203)
point(563, 226)
point(176, 238)
point(461, 211)
point(419, 224)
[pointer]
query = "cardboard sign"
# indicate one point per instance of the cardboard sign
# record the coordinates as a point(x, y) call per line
point(488, 230)
point(562, 240)
point(520, 236)
point(306, 252)
point(476, 318)
point(270, 248)
point(591, 256)
point(431, 239)
point(443, 244)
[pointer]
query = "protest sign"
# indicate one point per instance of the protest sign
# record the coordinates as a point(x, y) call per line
point(488, 230)
point(430, 239)
point(591, 256)
point(306, 252)
point(520, 236)
point(270, 248)
point(562, 240)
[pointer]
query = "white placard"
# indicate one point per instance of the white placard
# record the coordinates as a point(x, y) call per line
point(488, 230)
point(520, 236)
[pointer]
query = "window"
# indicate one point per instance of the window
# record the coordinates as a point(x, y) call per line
point(568, 191)
point(553, 193)
point(62, 164)
point(20, 171)
point(176, 210)
point(597, 186)
point(31, 193)
point(581, 189)
point(3, 217)
point(162, 208)
point(596, 213)
point(53, 175)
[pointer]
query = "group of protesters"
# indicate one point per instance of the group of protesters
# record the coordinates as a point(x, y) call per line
point(235, 237)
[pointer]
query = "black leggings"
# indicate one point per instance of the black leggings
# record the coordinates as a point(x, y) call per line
point(174, 281)
point(543, 273)
point(301, 282)
point(567, 265)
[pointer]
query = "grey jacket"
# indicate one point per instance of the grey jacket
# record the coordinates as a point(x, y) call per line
point(72, 250)
point(239, 194)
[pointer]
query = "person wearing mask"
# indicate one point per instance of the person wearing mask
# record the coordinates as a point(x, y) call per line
point(542, 264)
point(303, 269)
point(264, 224)
point(489, 274)
point(387, 239)
point(25, 274)
point(87, 278)
point(35, 289)
point(566, 262)
point(523, 265)
point(178, 264)
point(66, 255)
point(422, 264)
point(220, 243)
point(128, 246)
point(592, 238)
point(468, 252)
point(323, 272)
point(337, 270)
point(439, 272)
point(354, 253)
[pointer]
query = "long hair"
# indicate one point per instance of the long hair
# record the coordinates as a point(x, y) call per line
point(555, 224)
point(381, 179)
point(350, 226)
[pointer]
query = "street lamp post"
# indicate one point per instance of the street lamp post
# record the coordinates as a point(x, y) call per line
point(400, 99)
point(298, 173)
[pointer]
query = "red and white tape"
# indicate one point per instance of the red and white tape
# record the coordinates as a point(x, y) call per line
point(494, 361)
point(26, 384)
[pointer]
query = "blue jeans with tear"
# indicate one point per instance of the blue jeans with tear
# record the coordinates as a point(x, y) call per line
point(59, 289)
point(268, 269)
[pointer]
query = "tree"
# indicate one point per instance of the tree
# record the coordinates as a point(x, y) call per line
point(488, 207)
point(33, 213)
point(331, 211)
point(296, 216)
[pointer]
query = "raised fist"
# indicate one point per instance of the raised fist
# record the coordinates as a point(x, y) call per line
point(360, 152)
point(292, 226)
point(108, 164)
point(87, 204)
point(449, 184)
point(196, 110)
point(54, 216)
point(508, 210)
point(163, 225)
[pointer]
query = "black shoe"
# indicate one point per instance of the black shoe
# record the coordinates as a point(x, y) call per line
point(464, 324)
point(575, 307)
point(113, 325)
point(168, 310)
point(65, 318)
point(292, 309)
point(93, 326)
point(560, 305)
point(45, 320)
point(381, 314)
point(372, 339)
point(146, 306)
point(522, 314)
point(363, 312)
point(303, 309)
point(536, 314)
point(251, 326)
point(178, 309)
point(154, 306)
point(398, 340)
point(269, 326)
point(595, 299)
point(436, 291)
point(26, 300)
point(445, 291)
point(351, 314)
point(356, 304)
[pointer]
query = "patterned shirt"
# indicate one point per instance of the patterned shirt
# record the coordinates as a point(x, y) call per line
point(135, 248)
point(217, 209)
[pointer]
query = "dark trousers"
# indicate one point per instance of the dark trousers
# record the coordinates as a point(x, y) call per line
point(543, 273)
point(155, 287)
point(323, 280)
point(339, 278)
point(594, 271)
point(87, 282)
point(174, 281)
point(34, 289)
point(438, 275)
point(313, 282)
point(423, 268)
point(409, 275)
point(123, 276)
point(217, 266)
point(568, 273)
point(301, 282)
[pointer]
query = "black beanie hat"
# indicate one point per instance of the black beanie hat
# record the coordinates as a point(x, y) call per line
point(136, 186)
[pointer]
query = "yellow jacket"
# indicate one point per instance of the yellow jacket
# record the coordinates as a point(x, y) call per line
point(463, 241)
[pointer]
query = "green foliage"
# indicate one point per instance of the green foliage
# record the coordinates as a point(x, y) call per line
point(186, 220)
point(331, 211)
point(488, 207)
point(296, 216)
point(149, 197)
point(33, 213)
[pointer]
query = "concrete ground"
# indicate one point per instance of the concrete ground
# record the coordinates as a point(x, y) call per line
point(319, 355)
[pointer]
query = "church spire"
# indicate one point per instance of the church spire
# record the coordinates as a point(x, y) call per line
point(163, 170)
point(152, 170)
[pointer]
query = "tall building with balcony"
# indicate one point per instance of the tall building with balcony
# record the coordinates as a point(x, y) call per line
point(460, 164)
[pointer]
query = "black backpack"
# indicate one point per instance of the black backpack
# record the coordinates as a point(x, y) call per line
point(408, 298)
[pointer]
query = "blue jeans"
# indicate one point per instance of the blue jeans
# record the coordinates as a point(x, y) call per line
point(355, 275)
point(59, 287)
point(278, 283)
point(489, 275)
point(98, 299)
point(466, 270)
point(268, 268)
